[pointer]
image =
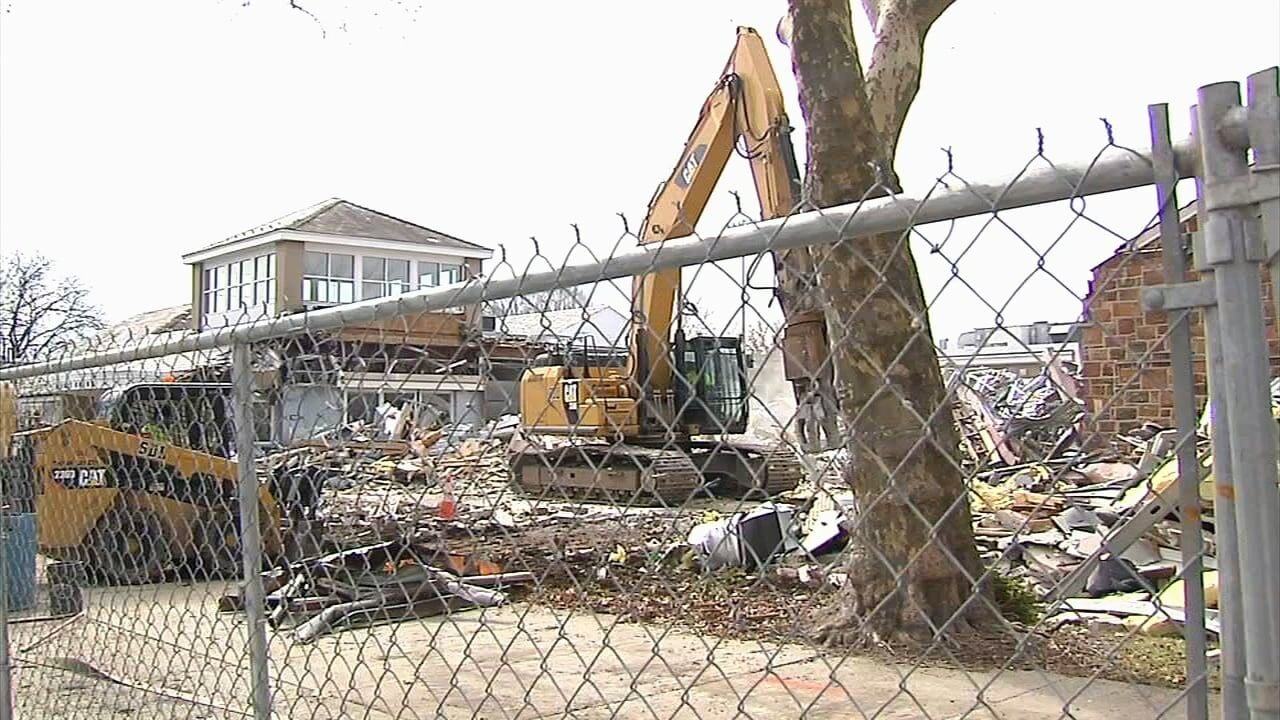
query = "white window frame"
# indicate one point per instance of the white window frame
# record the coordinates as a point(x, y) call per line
point(423, 273)
point(436, 271)
point(381, 283)
point(225, 286)
point(332, 284)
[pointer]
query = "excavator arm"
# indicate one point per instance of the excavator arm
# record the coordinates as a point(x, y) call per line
point(746, 105)
point(673, 212)
point(655, 424)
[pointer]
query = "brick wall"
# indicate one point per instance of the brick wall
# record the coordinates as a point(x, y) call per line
point(1126, 368)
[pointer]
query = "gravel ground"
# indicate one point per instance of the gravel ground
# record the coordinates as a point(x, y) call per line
point(635, 568)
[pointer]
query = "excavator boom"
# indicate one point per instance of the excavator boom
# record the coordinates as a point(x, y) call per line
point(649, 419)
point(745, 106)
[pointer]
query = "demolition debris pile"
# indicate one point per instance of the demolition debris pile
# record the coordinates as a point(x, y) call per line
point(1093, 534)
point(377, 583)
point(1007, 419)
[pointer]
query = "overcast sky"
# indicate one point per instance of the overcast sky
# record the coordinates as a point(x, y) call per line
point(132, 131)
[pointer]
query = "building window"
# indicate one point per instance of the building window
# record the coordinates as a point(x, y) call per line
point(430, 409)
point(240, 285)
point(432, 274)
point(263, 424)
point(328, 278)
point(361, 407)
point(383, 277)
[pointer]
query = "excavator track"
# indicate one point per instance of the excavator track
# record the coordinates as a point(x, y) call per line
point(638, 475)
point(784, 471)
point(761, 469)
point(614, 474)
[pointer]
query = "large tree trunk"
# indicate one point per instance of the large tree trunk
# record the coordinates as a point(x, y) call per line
point(914, 564)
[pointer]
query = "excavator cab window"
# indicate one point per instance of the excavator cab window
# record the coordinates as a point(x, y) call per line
point(714, 394)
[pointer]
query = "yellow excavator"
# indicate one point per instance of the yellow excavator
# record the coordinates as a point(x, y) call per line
point(145, 488)
point(636, 428)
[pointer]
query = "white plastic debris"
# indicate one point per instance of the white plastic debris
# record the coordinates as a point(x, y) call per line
point(747, 539)
point(828, 533)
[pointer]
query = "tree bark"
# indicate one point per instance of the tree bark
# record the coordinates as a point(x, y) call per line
point(914, 564)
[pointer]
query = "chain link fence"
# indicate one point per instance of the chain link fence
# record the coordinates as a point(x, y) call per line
point(584, 485)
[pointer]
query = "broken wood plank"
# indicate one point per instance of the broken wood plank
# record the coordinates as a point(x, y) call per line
point(511, 578)
point(1019, 522)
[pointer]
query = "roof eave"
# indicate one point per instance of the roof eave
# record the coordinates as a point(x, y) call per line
point(1145, 241)
point(477, 252)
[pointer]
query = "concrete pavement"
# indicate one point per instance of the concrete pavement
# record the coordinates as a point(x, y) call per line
point(521, 662)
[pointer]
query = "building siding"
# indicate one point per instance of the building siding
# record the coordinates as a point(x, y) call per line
point(197, 296)
point(289, 264)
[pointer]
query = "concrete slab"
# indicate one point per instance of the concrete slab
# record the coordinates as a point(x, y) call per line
point(519, 662)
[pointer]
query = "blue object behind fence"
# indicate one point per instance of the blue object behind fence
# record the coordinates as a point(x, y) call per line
point(20, 559)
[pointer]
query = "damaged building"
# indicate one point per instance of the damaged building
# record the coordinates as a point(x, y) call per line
point(332, 253)
point(1126, 367)
point(338, 252)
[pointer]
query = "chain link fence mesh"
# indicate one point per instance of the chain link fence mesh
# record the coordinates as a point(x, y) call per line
point(460, 518)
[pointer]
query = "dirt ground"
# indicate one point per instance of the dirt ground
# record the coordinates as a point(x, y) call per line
point(135, 645)
point(614, 606)
point(644, 585)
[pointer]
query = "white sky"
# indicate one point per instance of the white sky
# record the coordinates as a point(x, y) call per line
point(133, 131)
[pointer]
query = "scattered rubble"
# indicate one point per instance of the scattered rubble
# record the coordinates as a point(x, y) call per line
point(1094, 536)
point(378, 583)
point(745, 539)
point(1007, 418)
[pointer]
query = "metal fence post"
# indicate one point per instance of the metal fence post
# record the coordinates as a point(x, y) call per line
point(1264, 109)
point(1231, 637)
point(1230, 613)
point(6, 667)
point(1179, 343)
point(1264, 139)
point(1231, 244)
point(251, 533)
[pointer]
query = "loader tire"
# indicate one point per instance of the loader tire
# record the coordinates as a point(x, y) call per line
point(130, 546)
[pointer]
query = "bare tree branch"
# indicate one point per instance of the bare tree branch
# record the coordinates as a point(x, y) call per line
point(824, 47)
point(42, 316)
point(892, 79)
point(294, 4)
point(872, 9)
point(568, 298)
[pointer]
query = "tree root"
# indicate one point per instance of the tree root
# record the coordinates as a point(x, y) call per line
point(875, 611)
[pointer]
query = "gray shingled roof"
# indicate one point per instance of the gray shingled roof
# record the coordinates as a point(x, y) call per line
point(605, 324)
point(336, 216)
point(148, 328)
point(152, 322)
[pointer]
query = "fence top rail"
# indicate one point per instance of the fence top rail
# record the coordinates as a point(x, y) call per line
point(1122, 170)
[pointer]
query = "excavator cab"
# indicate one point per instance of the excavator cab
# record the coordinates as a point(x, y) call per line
point(713, 397)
